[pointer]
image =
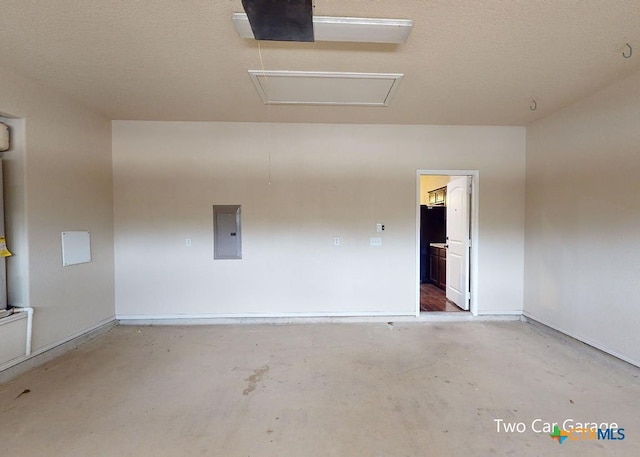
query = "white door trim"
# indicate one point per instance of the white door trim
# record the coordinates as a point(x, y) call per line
point(473, 267)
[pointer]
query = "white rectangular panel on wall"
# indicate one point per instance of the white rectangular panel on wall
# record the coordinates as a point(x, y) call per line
point(76, 247)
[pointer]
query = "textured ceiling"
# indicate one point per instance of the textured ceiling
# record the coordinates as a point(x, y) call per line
point(474, 62)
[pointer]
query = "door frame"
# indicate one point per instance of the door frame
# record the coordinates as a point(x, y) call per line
point(475, 211)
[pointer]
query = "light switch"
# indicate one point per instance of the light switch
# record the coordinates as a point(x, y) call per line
point(187, 242)
point(379, 227)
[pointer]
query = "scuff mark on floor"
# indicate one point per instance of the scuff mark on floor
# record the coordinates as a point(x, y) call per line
point(254, 379)
point(24, 392)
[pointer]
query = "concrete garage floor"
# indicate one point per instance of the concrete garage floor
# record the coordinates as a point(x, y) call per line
point(319, 390)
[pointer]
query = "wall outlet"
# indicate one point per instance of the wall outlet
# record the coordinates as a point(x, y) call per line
point(187, 242)
point(374, 241)
point(336, 241)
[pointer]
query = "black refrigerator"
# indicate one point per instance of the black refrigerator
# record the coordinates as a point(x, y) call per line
point(433, 229)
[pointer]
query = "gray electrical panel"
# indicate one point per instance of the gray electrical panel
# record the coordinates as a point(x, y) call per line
point(227, 235)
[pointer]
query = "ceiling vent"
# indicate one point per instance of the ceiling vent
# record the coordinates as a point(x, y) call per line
point(325, 88)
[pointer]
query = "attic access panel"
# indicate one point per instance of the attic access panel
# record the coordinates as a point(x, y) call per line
point(280, 20)
point(325, 88)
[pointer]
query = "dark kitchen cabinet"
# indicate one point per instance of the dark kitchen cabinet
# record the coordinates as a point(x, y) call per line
point(432, 230)
point(434, 266)
point(442, 269)
point(438, 266)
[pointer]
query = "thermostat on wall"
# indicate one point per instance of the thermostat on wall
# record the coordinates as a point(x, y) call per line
point(4, 137)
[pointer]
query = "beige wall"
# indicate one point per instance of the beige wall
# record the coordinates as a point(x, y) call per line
point(66, 182)
point(326, 181)
point(583, 220)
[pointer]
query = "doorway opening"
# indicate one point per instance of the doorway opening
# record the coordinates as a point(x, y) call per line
point(446, 221)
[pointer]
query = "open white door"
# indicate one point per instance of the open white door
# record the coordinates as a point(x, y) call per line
point(458, 240)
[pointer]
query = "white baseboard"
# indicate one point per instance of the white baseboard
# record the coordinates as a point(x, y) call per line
point(578, 337)
point(499, 312)
point(43, 355)
point(304, 318)
point(274, 318)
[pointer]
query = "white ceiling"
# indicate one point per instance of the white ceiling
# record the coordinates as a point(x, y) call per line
point(475, 62)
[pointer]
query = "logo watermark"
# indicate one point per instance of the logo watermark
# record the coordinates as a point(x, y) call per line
point(569, 429)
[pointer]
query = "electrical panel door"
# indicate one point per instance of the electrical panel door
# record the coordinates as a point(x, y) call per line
point(227, 237)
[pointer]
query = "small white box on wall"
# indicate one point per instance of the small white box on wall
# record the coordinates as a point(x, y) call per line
point(4, 137)
point(76, 247)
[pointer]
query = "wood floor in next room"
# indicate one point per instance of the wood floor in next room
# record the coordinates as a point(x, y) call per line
point(433, 298)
